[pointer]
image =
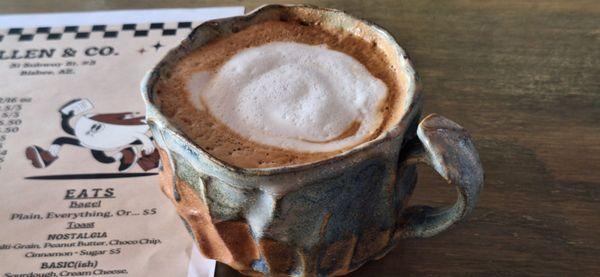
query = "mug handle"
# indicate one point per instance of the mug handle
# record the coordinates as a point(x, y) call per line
point(447, 148)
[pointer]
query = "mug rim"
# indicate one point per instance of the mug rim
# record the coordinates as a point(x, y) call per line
point(411, 99)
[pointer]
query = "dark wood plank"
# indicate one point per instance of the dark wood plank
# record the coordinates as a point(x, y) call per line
point(524, 79)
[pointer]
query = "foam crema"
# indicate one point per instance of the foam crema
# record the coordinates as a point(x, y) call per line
point(294, 96)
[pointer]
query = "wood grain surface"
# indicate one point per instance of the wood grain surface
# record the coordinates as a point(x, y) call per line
point(524, 79)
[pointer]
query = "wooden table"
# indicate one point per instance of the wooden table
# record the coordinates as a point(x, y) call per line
point(524, 79)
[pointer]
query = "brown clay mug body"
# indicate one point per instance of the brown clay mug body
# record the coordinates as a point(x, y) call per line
point(323, 218)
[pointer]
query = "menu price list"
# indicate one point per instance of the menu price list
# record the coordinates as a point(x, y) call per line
point(78, 247)
point(10, 120)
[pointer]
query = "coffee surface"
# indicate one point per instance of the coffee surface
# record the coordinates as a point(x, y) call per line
point(293, 96)
point(280, 93)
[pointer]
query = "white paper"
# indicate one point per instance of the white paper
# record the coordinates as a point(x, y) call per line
point(116, 17)
point(199, 265)
point(33, 102)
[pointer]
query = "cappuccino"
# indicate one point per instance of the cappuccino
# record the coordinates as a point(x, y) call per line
point(280, 93)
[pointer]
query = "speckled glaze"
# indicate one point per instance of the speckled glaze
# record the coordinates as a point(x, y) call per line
point(322, 218)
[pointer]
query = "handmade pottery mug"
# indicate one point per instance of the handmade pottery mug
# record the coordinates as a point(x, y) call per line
point(323, 218)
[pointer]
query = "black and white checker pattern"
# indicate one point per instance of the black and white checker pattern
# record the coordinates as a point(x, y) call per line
point(104, 31)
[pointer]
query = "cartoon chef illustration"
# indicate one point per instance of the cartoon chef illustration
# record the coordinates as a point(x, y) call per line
point(111, 137)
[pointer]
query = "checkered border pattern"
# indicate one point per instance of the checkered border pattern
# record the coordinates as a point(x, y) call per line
point(85, 32)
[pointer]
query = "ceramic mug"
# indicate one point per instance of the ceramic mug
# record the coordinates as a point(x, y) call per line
point(323, 218)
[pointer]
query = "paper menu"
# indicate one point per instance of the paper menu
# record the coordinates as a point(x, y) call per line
point(77, 164)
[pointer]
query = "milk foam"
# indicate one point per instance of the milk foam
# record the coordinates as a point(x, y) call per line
point(293, 96)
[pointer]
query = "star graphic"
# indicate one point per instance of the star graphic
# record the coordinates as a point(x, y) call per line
point(157, 45)
point(142, 50)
